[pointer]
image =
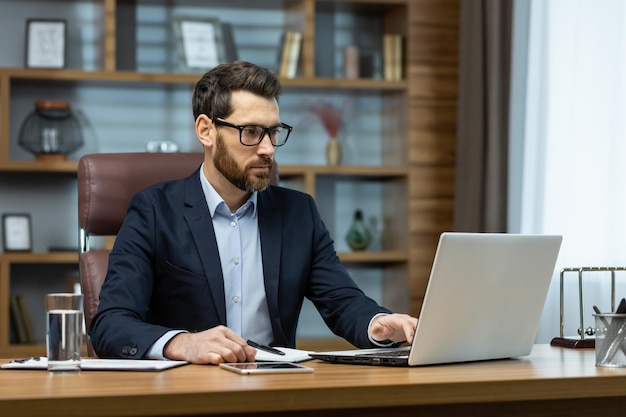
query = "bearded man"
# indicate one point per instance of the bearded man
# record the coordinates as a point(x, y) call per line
point(205, 263)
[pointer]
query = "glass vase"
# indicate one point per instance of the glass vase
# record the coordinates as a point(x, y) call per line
point(358, 237)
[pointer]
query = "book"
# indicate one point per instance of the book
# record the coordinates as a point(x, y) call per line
point(393, 57)
point(398, 57)
point(25, 316)
point(293, 58)
point(351, 62)
point(16, 319)
point(285, 44)
point(388, 73)
point(289, 54)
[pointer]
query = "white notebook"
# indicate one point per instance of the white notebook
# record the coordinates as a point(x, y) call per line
point(291, 355)
point(88, 364)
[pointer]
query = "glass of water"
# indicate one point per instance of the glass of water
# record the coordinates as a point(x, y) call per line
point(64, 331)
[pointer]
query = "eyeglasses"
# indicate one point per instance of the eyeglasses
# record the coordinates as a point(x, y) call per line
point(252, 135)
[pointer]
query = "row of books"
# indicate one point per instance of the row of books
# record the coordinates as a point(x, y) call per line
point(393, 57)
point(21, 320)
point(289, 54)
point(290, 47)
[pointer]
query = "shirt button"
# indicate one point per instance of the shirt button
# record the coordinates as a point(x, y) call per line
point(233, 224)
point(235, 299)
point(236, 261)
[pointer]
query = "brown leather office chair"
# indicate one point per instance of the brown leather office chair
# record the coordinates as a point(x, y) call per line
point(106, 184)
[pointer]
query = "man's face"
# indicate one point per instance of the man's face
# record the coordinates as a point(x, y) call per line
point(248, 168)
point(245, 177)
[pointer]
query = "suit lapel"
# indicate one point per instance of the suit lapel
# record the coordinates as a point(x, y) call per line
point(270, 228)
point(201, 228)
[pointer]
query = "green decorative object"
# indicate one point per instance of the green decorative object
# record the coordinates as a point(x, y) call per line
point(358, 236)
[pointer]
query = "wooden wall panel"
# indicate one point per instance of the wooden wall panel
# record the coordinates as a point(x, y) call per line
point(432, 58)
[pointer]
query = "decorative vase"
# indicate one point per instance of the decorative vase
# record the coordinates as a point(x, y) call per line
point(358, 236)
point(333, 152)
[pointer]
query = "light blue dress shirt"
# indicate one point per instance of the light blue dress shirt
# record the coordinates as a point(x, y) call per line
point(239, 246)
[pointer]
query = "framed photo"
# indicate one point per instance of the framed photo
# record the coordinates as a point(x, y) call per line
point(199, 42)
point(45, 43)
point(17, 235)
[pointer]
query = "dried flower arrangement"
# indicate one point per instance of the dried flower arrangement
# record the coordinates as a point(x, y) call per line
point(330, 116)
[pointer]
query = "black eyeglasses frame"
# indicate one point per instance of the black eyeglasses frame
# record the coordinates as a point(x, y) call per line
point(266, 131)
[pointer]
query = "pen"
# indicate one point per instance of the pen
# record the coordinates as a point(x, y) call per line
point(34, 358)
point(617, 337)
point(265, 348)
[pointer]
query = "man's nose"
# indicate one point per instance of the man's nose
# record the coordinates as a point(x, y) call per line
point(265, 147)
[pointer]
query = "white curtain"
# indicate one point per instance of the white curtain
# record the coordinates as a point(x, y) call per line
point(571, 155)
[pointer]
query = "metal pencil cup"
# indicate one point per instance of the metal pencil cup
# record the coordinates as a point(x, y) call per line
point(610, 339)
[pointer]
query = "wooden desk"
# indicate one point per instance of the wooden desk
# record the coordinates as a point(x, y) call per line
point(552, 381)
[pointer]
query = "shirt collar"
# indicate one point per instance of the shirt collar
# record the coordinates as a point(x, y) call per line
point(215, 201)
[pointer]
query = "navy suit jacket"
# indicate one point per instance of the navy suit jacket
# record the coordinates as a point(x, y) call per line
point(165, 273)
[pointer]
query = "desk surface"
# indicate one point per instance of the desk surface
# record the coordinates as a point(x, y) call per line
point(550, 375)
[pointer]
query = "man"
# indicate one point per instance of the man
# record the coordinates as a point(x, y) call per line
point(204, 263)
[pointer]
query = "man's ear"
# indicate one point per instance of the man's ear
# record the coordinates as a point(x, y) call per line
point(205, 130)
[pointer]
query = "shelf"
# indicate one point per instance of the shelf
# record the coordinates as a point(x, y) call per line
point(372, 257)
point(67, 167)
point(71, 257)
point(72, 75)
point(403, 132)
point(23, 350)
point(342, 170)
point(286, 171)
point(40, 257)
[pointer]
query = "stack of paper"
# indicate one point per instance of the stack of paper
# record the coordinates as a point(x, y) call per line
point(291, 355)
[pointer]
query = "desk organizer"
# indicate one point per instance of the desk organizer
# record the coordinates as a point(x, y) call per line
point(583, 341)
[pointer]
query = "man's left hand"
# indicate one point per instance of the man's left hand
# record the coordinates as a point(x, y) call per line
point(395, 327)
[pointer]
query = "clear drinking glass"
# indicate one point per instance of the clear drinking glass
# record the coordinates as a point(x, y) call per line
point(64, 331)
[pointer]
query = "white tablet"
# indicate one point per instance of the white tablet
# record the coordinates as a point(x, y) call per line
point(265, 367)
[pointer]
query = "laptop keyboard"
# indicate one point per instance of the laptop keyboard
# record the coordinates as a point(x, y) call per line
point(387, 353)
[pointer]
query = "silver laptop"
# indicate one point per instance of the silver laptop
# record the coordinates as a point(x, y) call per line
point(483, 301)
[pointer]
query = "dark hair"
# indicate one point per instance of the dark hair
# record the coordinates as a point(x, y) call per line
point(212, 93)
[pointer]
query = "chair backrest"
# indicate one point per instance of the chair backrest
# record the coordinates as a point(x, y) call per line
point(106, 184)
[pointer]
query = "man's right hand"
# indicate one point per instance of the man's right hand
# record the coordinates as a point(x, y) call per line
point(216, 345)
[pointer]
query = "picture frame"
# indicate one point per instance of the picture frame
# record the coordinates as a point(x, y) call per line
point(17, 235)
point(46, 43)
point(199, 42)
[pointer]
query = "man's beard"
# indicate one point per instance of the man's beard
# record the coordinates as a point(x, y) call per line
point(227, 166)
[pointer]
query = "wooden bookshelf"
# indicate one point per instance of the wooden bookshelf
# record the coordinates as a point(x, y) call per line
point(417, 118)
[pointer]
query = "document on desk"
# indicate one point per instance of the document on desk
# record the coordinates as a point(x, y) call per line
point(290, 355)
point(92, 364)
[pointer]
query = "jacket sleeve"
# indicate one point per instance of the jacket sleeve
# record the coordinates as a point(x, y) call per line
point(119, 328)
point(344, 307)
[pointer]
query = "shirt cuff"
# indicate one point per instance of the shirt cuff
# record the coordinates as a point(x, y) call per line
point(384, 343)
point(156, 350)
